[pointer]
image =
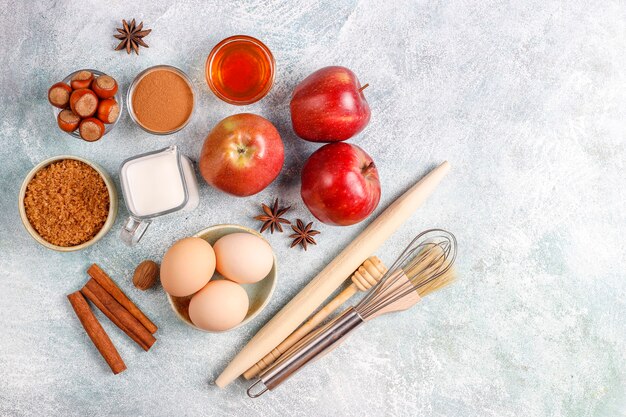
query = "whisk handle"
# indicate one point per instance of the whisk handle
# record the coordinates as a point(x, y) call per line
point(322, 341)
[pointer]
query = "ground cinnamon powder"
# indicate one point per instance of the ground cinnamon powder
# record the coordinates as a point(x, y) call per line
point(67, 202)
point(162, 100)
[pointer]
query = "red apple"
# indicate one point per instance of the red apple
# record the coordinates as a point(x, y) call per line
point(242, 155)
point(329, 106)
point(340, 184)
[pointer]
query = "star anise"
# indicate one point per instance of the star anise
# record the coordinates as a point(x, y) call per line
point(303, 234)
point(131, 36)
point(273, 217)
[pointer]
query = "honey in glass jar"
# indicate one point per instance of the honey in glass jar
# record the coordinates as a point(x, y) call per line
point(240, 70)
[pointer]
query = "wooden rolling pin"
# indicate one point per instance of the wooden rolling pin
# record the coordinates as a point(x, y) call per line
point(363, 278)
point(332, 276)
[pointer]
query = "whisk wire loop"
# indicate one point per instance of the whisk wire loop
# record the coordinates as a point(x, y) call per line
point(417, 271)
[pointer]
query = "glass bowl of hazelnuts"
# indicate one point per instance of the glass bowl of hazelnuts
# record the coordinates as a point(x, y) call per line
point(87, 104)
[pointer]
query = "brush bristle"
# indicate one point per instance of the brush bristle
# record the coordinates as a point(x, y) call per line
point(445, 279)
point(430, 270)
point(425, 266)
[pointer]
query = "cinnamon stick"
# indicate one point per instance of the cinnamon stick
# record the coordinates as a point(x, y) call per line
point(102, 307)
point(96, 333)
point(118, 314)
point(109, 285)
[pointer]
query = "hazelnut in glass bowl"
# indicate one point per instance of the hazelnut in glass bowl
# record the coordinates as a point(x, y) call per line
point(87, 104)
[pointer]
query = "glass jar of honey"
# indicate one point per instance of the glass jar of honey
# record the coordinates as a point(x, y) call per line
point(240, 70)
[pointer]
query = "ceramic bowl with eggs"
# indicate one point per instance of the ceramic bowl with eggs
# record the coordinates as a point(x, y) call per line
point(220, 278)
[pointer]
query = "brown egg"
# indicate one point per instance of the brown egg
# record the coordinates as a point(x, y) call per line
point(187, 266)
point(219, 306)
point(243, 257)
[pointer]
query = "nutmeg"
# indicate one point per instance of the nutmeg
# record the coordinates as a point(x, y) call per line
point(146, 275)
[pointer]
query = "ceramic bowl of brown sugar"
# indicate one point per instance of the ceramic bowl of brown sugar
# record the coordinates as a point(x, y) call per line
point(67, 203)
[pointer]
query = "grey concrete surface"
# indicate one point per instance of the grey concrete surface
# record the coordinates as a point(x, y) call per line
point(525, 99)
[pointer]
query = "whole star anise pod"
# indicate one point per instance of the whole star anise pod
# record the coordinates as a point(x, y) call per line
point(273, 217)
point(303, 234)
point(131, 36)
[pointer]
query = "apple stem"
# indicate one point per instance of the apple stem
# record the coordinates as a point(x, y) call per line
point(364, 87)
point(367, 169)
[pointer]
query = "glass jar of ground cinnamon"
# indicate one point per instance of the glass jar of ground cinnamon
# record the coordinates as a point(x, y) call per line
point(161, 99)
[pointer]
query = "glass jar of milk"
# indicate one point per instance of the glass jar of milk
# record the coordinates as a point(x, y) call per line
point(155, 184)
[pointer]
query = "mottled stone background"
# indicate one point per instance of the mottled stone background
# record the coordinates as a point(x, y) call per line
point(525, 99)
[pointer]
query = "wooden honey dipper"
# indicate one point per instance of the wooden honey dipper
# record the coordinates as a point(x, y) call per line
point(363, 279)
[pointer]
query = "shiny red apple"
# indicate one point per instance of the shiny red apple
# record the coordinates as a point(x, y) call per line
point(329, 106)
point(242, 155)
point(340, 184)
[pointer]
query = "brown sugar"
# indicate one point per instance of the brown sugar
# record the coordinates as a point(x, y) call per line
point(162, 100)
point(67, 202)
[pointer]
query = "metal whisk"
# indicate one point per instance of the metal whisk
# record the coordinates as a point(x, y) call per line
point(424, 266)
